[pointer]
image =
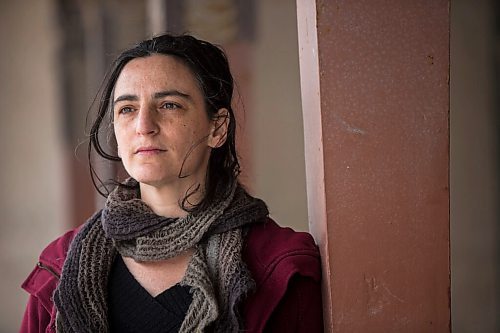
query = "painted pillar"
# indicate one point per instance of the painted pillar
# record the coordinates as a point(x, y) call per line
point(375, 96)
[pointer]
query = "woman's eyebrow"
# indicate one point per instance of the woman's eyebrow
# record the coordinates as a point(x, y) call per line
point(173, 92)
point(158, 95)
point(126, 98)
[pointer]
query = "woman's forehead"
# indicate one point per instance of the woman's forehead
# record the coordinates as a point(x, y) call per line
point(160, 71)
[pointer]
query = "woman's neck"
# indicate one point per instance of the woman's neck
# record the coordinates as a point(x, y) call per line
point(165, 201)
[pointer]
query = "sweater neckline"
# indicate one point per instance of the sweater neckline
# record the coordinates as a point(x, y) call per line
point(133, 309)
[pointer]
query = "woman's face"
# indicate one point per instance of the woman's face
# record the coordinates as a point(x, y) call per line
point(160, 122)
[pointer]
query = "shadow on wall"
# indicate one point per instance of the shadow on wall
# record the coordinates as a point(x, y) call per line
point(474, 170)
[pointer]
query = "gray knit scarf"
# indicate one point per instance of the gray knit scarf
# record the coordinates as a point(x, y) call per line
point(216, 273)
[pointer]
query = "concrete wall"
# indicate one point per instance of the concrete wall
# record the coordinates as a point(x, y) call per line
point(32, 178)
point(382, 157)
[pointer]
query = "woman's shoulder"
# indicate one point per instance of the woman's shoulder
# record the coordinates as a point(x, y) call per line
point(51, 260)
point(54, 254)
point(270, 247)
point(43, 279)
point(50, 263)
point(286, 267)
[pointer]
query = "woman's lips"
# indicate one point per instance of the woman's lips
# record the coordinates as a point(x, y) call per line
point(149, 151)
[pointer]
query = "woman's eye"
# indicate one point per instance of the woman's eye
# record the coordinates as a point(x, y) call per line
point(170, 106)
point(126, 109)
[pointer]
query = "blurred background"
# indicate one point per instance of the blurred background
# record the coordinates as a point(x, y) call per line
point(55, 53)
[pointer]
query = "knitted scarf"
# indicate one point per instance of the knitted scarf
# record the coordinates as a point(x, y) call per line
point(216, 273)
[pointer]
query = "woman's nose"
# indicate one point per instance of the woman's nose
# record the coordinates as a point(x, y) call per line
point(146, 121)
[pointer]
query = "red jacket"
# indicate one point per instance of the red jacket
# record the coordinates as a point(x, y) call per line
point(284, 264)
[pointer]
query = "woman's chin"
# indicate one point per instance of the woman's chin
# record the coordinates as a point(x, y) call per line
point(151, 179)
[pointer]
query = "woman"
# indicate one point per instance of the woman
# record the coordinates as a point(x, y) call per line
point(180, 245)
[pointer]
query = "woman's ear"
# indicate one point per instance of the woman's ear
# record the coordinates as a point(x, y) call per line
point(218, 132)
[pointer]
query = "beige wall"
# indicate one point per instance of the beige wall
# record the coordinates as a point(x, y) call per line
point(278, 147)
point(32, 206)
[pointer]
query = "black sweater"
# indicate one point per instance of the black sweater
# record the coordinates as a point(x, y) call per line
point(133, 309)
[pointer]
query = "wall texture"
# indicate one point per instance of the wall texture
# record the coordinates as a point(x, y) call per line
point(384, 139)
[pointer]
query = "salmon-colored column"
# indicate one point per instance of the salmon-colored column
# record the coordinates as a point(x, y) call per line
point(375, 88)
